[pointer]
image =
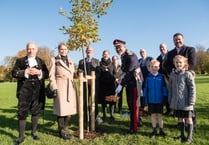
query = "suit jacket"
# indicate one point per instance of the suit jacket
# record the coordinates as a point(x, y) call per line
point(186, 51)
point(94, 64)
point(19, 72)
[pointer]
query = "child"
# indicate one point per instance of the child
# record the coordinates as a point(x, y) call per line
point(182, 95)
point(155, 93)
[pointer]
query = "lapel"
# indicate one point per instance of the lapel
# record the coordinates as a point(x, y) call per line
point(59, 60)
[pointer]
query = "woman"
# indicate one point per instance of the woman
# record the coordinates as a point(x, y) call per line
point(107, 86)
point(61, 72)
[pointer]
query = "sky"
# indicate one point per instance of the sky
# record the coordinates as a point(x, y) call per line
point(141, 23)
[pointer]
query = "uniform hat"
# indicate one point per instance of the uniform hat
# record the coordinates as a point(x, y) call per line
point(117, 42)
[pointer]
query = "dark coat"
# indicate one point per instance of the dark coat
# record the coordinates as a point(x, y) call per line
point(19, 71)
point(93, 66)
point(106, 79)
point(186, 51)
point(129, 64)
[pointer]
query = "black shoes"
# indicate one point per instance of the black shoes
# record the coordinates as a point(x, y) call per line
point(18, 141)
point(140, 122)
point(65, 135)
point(153, 134)
point(162, 133)
point(35, 137)
point(130, 131)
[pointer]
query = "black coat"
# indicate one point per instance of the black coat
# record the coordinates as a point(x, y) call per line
point(106, 79)
point(19, 70)
point(186, 51)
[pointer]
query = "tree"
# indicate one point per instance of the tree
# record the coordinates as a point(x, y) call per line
point(202, 65)
point(84, 28)
point(9, 61)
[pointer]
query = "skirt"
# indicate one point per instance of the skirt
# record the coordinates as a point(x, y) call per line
point(183, 113)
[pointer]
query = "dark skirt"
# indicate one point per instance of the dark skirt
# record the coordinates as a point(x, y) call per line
point(155, 108)
point(183, 113)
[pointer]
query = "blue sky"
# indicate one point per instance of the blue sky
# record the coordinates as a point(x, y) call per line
point(141, 23)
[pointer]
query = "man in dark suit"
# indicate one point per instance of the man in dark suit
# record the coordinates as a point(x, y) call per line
point(180, 49)
point(161, 58)
point(92, 64)
point(144, 62)
point(186, 51)
point(30, 72)
point(129, 65)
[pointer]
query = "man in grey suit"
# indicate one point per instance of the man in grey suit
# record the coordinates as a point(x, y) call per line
point(92, 64)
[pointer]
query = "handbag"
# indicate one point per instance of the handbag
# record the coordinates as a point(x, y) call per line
point(49, 92)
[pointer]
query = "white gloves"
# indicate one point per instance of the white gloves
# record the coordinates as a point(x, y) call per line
point(118, 89)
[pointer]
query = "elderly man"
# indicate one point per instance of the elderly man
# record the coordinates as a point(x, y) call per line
point(129, 65)
point(30, 72)
point(92, 64)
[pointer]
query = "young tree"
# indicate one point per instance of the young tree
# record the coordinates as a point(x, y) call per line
point(84, 28)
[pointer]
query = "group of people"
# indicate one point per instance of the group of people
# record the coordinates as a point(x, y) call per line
point(168, 79)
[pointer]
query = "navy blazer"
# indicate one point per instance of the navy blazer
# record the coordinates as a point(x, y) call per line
point(186, 51)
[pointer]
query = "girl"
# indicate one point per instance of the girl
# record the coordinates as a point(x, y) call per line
point(182, 95)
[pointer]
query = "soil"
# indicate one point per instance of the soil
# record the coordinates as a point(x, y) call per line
point(90, 135)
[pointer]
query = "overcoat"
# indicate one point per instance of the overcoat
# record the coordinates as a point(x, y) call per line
point(61, 79)
point(181, 90)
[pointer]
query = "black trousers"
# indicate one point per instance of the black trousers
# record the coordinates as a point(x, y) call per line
point(28, 100)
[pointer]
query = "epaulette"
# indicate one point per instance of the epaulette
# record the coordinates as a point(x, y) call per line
point(129, 52)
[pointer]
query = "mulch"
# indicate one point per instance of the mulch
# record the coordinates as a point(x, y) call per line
point(90, 135)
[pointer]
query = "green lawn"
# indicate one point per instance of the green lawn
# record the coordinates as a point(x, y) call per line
point(114, 131)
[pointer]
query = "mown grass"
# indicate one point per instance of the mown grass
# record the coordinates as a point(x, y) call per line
point(114, 131)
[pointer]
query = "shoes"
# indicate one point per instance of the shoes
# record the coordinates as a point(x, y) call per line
point(180, 138)
point(65, 135)
point(188, 141)
point(162, 133)
point(153, 134)
point(130, 131)
point(99, 120)
point(112, 118)
point(35, 137)
point(18, 141)
point(140, 122)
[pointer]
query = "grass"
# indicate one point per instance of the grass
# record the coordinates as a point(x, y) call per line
point(113, 130)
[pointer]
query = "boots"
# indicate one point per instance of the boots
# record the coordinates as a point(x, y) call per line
point(34, 121)
point(182, 128)
point(190, 132)
point(112, 110)
point(21, 125)
point(62, 124)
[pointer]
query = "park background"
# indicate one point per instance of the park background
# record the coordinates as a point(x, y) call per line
point(112, 132)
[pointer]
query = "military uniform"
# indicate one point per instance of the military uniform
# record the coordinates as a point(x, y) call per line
point(129, 64)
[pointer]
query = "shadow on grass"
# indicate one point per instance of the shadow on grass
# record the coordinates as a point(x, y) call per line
point(46, 120)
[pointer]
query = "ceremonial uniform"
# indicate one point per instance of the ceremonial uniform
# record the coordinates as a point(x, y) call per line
point(129, 64)
point(30, 91)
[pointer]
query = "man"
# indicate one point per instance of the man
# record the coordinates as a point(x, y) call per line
point(30, 72)
point(186, 51)
point(129, 65)
point(181, 49)
point(144, 62)
point(92, 64)
point(161, 58)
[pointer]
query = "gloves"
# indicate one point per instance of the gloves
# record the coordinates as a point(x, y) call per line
point(118, 89)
